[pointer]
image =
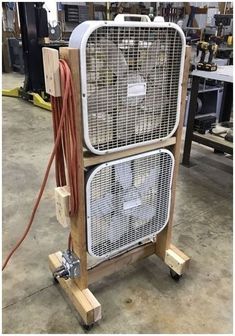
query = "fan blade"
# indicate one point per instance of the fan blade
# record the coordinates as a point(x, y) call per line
point(98, 99)
point(117, 228)
point(158, 77)
point(123, 174)
point(149, 59)
point(123, 127)
point(150, 112)
point(100, 103)
point(144, 212)
point(114, 57)
point(102, 206)
point(149, 181)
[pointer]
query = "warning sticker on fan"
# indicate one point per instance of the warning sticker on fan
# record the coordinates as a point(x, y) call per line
point(136, 89)
point(131, 204)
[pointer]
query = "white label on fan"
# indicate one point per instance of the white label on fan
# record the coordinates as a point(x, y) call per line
point(136, 89)
point(131, 204)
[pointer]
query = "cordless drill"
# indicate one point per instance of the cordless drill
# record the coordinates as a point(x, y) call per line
point(205, 48)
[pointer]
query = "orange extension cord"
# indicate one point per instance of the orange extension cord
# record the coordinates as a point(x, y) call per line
point(64, 151)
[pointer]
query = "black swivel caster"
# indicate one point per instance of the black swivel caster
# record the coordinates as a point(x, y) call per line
point(175, 276)
point(55, 280)
point(87, 327)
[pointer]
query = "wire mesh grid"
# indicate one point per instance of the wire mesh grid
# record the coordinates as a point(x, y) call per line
point(133, 76)
point(128, 202)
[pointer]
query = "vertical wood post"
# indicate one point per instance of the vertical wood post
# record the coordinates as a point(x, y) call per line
point(164, 237)
point(78, 223)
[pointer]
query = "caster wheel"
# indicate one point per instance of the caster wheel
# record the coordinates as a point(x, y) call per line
point(87, 327)
point(175, 276)
point(55, 280)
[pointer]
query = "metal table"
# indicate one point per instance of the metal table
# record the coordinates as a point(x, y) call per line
point(223, 74)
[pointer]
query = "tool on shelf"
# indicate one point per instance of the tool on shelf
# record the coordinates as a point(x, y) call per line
point(210, 48)
point(223, 130)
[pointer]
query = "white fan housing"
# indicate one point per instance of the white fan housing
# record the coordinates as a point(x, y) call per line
point(128, 201)
point(131, 74)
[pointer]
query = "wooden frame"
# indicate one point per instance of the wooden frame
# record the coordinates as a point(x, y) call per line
point(77, 289)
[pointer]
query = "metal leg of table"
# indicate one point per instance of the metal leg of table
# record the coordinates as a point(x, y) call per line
point(226, 106)
point(227, 102)
point(190, 121)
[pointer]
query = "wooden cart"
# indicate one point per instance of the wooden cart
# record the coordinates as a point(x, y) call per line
point(77, 289)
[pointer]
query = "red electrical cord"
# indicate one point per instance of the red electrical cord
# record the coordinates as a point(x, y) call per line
point(64, 151)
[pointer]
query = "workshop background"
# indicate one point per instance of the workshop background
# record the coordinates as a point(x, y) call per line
point(141, 298)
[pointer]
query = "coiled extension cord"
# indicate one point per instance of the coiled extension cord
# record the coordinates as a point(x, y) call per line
point(64, 151)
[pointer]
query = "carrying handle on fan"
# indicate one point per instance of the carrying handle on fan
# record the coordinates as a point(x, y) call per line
point(159, 19)
point(124, 17)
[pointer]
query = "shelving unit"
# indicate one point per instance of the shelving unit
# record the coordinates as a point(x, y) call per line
point(223, 74)
point(211, 98)
point(213, 141)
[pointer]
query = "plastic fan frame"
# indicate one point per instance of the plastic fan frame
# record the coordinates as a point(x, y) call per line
point(88, 201)
point(79, 39)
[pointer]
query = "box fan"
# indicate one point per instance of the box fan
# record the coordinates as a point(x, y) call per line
point(128, 201)
point(131, 75)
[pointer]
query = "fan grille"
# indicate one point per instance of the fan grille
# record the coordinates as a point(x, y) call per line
point(123, 210)
point(133, 77)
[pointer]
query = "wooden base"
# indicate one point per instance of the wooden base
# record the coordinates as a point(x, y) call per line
point(85, 302)
point(117, 263)
point(176, 260)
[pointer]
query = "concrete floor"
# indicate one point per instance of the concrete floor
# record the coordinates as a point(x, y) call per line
point(141, 298)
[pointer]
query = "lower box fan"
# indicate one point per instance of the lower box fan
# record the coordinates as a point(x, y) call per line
point(128, 201)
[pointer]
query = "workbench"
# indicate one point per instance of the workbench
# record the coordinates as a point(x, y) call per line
point(223, 74)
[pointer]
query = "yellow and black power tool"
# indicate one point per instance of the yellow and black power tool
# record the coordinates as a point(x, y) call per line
point(206, 47)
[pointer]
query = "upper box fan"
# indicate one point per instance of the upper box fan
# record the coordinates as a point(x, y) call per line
point(131, 75)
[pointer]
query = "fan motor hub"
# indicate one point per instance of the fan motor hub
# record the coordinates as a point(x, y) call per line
point(135, 89)
point(131, 199)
